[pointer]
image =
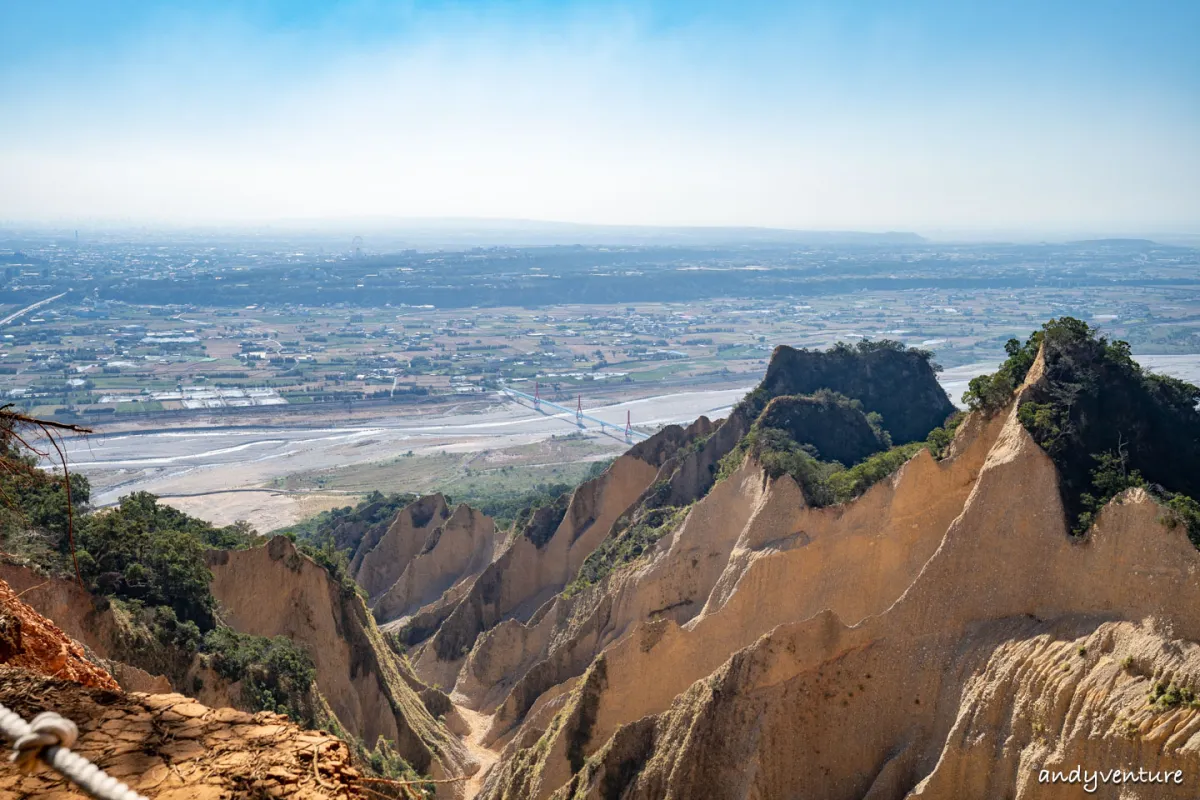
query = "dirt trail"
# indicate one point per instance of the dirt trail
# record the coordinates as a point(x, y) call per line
point(477, 725)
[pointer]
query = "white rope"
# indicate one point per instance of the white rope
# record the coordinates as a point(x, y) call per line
point(49, 738)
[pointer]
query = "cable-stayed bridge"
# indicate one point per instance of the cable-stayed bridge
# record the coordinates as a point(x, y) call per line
point(538, 401)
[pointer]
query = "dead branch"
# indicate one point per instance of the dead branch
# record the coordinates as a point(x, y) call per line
point(418, 782)
point(16, 416)
point(51, 430)
point(70, 506)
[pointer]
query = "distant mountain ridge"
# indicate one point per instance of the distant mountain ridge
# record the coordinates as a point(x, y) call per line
point(383, 233)
point(538, 232)
point(1114, 242)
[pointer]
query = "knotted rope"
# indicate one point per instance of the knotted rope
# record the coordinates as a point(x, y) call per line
point(49, 738)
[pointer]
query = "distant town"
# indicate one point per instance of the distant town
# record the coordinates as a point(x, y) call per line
point(94, 330)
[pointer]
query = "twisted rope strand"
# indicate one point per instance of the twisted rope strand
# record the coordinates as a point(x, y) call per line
point(49, 738)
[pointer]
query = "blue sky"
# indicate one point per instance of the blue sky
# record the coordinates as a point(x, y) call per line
point(1080, 116)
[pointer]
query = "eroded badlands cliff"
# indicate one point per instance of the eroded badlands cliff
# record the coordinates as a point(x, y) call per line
point(274, 591)
point(940, 635)
point(840, 591)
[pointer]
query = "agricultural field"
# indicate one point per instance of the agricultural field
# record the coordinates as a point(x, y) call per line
point(196, 361)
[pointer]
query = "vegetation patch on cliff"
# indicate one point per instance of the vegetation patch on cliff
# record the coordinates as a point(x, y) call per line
point(896, 382)
point(146, 562)
point(538, 523)
point(1107, 424)
point(140, 551)
point(826, 483)
point(34, 512)
point(348, 525)
point(275, 673)
point(630, 538)
point(504, 504)
point(334, 560)
point(152, 638)
point(811, 436)
point(834, 425)
point(154, 554)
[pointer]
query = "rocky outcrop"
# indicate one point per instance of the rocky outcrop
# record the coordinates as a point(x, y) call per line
point(275, 591)
point(1021, 697)
point(170, 747)
point(896, 383)
point(686, 457)
point(136, 679)
point(455, 552)
point(1070, 693)
point(350, 526)
point(941, 636)
point(835, 427)
point(93, 624)
point(72, 607)
point(110, 641)
point(30, 641)
point(536, 565)
point(383, 555)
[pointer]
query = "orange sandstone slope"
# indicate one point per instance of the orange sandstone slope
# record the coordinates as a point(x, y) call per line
point(273, 590)
point(170, 747)
point(30, 641)
point(163, 745)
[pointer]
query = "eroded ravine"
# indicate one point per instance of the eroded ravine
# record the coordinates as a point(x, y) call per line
point(475, 727)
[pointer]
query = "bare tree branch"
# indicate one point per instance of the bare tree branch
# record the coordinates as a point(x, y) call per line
point(52, 431)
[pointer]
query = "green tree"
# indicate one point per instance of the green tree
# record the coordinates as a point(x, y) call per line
point(153, 553)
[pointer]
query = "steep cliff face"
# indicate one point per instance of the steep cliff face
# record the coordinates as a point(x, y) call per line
point(275, 591)
point(452, 556)
point(896, 383)
point(30, 641)
point(940, 636)
point(72, 607)
point(537, 564)
point(87, 620)
point(688, 457)
point(383, 555)
point(349, 527)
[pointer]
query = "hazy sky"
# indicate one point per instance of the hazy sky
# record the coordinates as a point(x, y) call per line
point(870, 115)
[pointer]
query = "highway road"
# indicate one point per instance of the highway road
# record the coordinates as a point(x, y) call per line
point(22, 312)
